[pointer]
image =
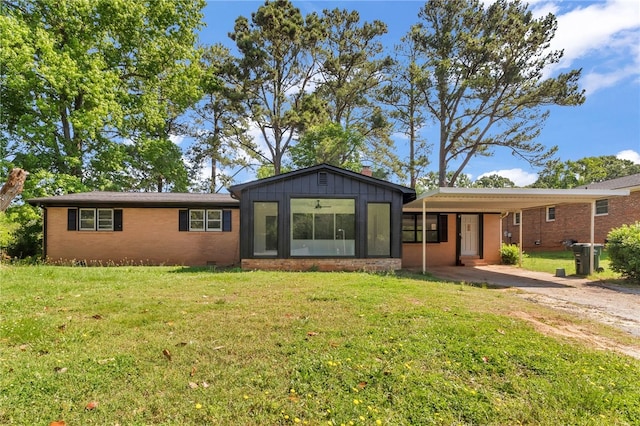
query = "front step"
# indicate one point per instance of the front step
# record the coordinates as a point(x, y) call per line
point(472, 261)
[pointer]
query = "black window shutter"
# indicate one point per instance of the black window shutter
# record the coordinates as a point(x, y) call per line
point(72, 219)
point(117, 220)
point(226, 220)
point(183, 220)
point(443, 228)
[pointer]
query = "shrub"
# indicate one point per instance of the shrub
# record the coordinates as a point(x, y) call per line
point(509, 254)
point(623, 247)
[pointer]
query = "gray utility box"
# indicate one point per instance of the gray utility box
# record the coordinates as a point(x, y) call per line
point(581, 253)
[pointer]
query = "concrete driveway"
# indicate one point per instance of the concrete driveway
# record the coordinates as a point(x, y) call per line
point(613, 305)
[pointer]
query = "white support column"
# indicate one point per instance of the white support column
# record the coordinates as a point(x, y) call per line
point(424, 235)
point(592, 237)
point(520, 242)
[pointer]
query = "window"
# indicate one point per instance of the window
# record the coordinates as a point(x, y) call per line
point(265, 229)
point(602, 207)
point(378, 229)
point(87, 219)
point(325, 227)
point(205, 220)
point(412, 228)
point(516, 219)
point(551, 214)
point(96, 219)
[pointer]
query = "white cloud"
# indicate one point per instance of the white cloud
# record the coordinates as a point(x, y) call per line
point(629, 154)
point(517, 176)
point(609, 30)
point(176, 139)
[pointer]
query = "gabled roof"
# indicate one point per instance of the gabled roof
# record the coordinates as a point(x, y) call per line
point(408, 193)
point(631, 182)
point(136, 199)
point(502, 200)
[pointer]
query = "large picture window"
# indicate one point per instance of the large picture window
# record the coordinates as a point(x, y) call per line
point(324, 227)
point(265, 229)
point(436, 230)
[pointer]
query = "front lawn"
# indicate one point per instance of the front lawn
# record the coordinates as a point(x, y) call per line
point(550, 261)
point(140, 345)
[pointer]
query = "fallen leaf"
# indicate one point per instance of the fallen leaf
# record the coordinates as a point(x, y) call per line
point(217, 348)
point(97, 317)
point(166, 354)
point(62, 327)
point(24, 347)
point(193, 371)
point(294, 398)
point(193, 385)
point(58, 423)
point(181, 344)
point(205, 385)
point(333, 344)
point(91, 406)
point(362, 385)
point(485, 359)
point(312, 333)
point(500, 331)
point(60, 370)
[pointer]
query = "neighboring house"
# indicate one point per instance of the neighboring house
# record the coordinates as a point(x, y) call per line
point(141, 228)
point(554, 227)
point(322, 217)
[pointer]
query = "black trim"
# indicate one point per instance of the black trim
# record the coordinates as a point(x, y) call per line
point(458, 240)
point(443, 228)
point(226, 220)
point(72, 219)
point(117, 220)
point(183, 220)
point(481, 236)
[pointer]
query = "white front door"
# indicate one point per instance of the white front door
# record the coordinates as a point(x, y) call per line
point(469, 234)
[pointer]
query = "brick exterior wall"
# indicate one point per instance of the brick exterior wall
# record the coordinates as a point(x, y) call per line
point(573, 221)
point(335, 264)
point(149, 236)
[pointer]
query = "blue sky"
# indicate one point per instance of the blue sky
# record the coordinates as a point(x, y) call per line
point(601, 37)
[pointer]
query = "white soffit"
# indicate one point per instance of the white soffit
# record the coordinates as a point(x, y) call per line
point(502, 200)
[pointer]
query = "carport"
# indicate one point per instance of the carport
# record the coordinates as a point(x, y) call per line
point(503, 201)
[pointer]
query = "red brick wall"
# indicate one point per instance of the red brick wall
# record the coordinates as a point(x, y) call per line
point(149, 236)
point(573, 221)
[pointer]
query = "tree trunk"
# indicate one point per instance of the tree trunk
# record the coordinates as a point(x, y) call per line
point(12, 187)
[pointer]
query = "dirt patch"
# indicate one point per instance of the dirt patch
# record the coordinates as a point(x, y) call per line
point(564, 328)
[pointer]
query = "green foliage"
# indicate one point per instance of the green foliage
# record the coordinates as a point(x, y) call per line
point(588, 170)
point(624, 250)
point(82, 77)
point(494, 181)
point(329, 143)
point(486, 87)
point(509, 254)
point(316, 347)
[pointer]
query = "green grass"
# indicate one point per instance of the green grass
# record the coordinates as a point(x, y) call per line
point(264, 348)
point(549, 261)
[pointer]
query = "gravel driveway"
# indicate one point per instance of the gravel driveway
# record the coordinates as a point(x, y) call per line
point(612, 305)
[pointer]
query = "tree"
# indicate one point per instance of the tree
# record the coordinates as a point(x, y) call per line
point(585, 171)
point(80, 78)
point(406, 95)
point(352, 63)
point(493, 181)
point(278, 49)
point(430, 181)
point(331, 144)
point(486, 81)
point(218, 121)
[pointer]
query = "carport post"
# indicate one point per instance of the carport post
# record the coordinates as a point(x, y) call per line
point(592, 237)
point(424, 235)
point(520, 240)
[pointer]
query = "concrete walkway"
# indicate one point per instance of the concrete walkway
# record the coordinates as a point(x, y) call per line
point(613, 305)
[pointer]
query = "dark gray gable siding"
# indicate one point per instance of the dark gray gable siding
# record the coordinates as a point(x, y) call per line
point(306, 185)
